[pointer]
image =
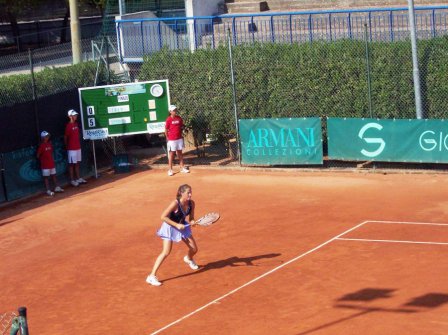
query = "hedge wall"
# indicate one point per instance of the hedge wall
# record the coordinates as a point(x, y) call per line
point(16, 89)
point(299, 80)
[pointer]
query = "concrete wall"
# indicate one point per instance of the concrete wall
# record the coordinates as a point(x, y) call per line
point(201, 7)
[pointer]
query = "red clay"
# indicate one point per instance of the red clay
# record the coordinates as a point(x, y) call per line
point(78, 262)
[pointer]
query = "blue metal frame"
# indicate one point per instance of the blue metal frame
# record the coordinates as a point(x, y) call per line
point(338, 24)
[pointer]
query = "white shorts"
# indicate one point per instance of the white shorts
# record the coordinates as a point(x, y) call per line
point(48, 172)
point(74, 156)
point(175, 145)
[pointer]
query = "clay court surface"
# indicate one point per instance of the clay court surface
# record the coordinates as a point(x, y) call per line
point(293, 253)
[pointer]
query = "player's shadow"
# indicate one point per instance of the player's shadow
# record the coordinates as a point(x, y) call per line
point(231, 261)
point(358, 301)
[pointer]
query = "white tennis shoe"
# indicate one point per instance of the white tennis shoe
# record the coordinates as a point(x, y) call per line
point(191, 263)
point(170, 173)
point(81, 181)
point(50, 193)
point(59, 189)
point(153, 280)
point(74, 183)
point(185, 170)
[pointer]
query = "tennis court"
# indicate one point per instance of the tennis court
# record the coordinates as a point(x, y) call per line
point(294, 252)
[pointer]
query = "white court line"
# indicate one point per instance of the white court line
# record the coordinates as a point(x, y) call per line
point(407, 222)
point(256, 279)
point(390, 241)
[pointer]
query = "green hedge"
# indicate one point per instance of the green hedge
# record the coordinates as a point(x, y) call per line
point(18, 88)
point(301, 80)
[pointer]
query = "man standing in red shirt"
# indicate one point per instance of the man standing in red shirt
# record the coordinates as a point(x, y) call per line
point(175, 143)
point(73, 145)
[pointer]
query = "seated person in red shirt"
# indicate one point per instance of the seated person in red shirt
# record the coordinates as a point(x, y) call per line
point(175, 143)
point(45, 156)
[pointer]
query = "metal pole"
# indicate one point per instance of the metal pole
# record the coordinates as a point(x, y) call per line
point(122, 7)
point(234, 98)
point(33, 88)
point(75, 32)
point(107, 60)
point(417, 90)
point(369, 89)
point(20, 323)
point(94, 159)
point(3, 176)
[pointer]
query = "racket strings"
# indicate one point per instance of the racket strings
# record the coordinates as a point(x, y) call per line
point(208, 219)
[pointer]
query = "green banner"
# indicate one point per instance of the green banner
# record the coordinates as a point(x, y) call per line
point(422, 141)
point(293, 141)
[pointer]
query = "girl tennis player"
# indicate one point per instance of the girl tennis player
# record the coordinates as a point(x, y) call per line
point(173, 229)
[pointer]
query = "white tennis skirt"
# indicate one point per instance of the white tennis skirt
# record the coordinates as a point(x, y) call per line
point(175, 145)
point(168, 232)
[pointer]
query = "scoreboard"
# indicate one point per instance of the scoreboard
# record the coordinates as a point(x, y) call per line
point(124, 109)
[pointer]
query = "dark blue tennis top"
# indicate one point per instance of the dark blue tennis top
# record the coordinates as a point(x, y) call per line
point(179, 215)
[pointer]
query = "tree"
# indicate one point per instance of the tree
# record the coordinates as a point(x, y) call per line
point(11, 10)
point(98, 4)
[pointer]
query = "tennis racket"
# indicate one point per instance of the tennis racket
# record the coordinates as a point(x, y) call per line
point(207, 219)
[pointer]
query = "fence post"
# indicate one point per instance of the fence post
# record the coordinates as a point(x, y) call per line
point(235, 109)
point(310, 28)
point(417, 90)
point(33, 88)
point(3, 175)
point(433, 23)
point(366, 37)
point(107, 59)
point(350, 34)
point(20, 323)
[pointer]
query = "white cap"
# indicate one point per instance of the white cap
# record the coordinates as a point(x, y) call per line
point(172, 107)
point(72, 112)
point(44, 133)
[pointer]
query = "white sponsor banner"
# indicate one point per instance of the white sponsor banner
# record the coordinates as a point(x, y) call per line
point(96, 134)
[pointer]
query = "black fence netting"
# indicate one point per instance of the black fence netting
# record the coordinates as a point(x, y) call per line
point(21, 124)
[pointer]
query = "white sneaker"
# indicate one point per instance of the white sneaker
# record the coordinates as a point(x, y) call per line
point(170, 173)
point(58, 189)
point(50, 193)
point(185, 170)
point(191, 263)
point(74, 183)
point(153, 280)
point(81, 181)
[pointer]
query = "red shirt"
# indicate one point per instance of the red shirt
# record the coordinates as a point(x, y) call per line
point(174, 126)
point(72, 134)
point(45, 154)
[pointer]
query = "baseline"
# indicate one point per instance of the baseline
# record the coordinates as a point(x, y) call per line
point(256, 279)
point(391, 241)
point(398, 241)
point(409, 222)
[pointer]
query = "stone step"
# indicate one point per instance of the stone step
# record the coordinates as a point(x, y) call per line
point(307, 5)
point(296, 5)
point(246, 7)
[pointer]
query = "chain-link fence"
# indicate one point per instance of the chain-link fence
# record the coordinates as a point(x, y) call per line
point(355, 65)
point(222, 69)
